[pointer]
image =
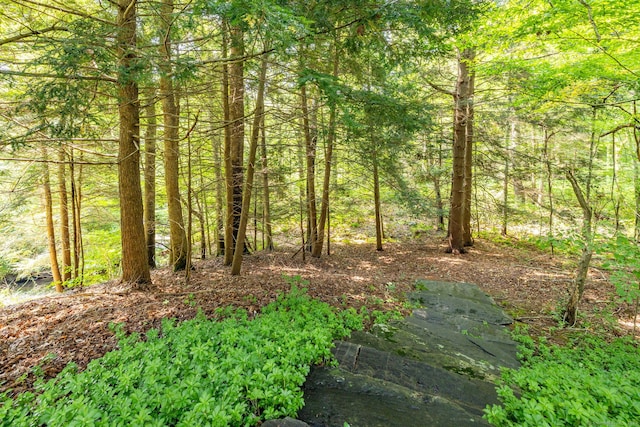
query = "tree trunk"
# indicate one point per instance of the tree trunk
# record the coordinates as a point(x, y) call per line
point(236, 144)
point(253, 146)
point(51, 236)
point(326, 182)
point(217, 146)
point(571, 310)
point(505, 180)
point(456, 211)
point(150, 179)
point(310, 139)
point(376, 200)
point(135, 266)
point(636, 175)
point(178, 236)
point(65, 240)
point(266, 196)
point(76, 205)
point(547, 162)
point(469, 57)
point(227, 241)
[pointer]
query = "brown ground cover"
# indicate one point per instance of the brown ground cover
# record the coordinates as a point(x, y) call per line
point(52, 331)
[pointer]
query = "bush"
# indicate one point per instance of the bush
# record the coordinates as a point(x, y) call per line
point(592, 383)
point(232, 372)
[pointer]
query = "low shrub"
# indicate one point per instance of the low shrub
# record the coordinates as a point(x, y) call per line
point(229, 372)
point(589, 383)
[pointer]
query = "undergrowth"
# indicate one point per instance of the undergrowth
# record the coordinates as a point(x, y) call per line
point(589, 383)
point(227, 372)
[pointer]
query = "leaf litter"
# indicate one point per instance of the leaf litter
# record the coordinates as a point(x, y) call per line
point(44, 335)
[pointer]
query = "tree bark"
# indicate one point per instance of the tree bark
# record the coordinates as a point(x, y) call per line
point(266, 206)
point(178, 236)
point(135, 266)
point(253, 146)
point(76, 206)
point(65, 239)
point(456, 211)
point(376, 200)
point(310, 139)
point(150, 179)
point(51, 234)
point(235, 150)
point(326, 182)
point(226, 238)
point(571, 310)
point(469, 56)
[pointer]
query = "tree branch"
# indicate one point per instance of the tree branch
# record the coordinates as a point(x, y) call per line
point(620, 127)
point(58, 76)
point(31, 33)
point(441, 89)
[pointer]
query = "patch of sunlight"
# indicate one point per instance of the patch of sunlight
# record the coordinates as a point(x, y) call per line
point(10, 296)
point(629, 324)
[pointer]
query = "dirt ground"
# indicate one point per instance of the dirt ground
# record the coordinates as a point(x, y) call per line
point(52, 331)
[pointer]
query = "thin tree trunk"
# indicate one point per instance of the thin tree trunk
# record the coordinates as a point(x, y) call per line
point(469, 56)
point(584, 199)
point(76, 196)
point(178, 235)
point(189, 251)
point(220, 194)
point(636, 171)
point(150, 178)
point(438, 189)
point(227, 241)
point(505, 182)
point(376, 200)
point(331, 137)
point(135, 266)
point(51, 236)
point(310, 139)
point(65, 239)
point(266, 205)
point(571, 310)
point(636, 176)
point(547, 162)
point(253, 148)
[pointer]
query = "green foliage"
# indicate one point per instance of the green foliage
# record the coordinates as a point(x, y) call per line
point(232, 372)
point(624, 263)
point(590, 383)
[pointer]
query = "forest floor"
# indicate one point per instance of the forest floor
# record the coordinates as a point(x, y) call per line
point(531, 286)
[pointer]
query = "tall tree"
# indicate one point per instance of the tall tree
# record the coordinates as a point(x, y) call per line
point(178, 235)
point(65, 238)
point(235, 150)
point(150, 178)
point(135, 265)
point(248, 183)
point(463, 97)
point(51, 235)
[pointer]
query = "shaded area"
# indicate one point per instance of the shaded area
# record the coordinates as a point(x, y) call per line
point(435, 368)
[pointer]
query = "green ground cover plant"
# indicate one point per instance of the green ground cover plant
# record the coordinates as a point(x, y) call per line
point(590, 382)
point(229, 371)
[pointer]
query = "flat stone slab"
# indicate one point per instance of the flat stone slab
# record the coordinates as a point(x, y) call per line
point(437, 367)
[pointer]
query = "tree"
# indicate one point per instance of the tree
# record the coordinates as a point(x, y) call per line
point(234, 153)
point(150, 178)
point(135, 265)
point(178, 236)
point(51, 237)
point(248, 183)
